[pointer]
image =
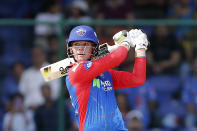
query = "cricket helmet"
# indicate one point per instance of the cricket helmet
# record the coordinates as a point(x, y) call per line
point(83, 33)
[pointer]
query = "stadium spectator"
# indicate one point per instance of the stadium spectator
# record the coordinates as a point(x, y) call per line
point(93, 7)
point(169, 107)
point(79, 11)
point(18, 118)
point(164, 55)
point(42, 31)
point(151, 9)
point(11, 82)
point(134, 121)
point(154, 113)
point(53, 14)
point(181, 10)
point(123, 104)
point(190, 50)
point(32, 80)
point(111, 9)
point(190, 96)
point(46, 115)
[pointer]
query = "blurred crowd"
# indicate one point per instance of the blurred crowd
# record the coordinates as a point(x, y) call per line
point(166, 102)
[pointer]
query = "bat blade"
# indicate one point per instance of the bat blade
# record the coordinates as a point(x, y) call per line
point(56, 70)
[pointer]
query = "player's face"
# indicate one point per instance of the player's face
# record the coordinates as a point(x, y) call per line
point(82, 50)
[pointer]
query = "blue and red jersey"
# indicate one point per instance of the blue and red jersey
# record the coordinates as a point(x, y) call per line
point(91, 87)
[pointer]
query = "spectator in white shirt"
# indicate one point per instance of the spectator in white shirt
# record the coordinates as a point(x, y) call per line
point(53, 14)
point(42, 31)
point(18, 119)
point(32, 80)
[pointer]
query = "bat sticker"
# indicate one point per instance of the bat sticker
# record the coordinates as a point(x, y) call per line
point(47, 70)
point(64, 70)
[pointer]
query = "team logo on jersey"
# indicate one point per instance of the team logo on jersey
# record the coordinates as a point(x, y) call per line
point(81, 32)
point(88, 64)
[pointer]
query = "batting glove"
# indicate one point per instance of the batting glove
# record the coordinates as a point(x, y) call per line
point(139, 39)
point(121, 38)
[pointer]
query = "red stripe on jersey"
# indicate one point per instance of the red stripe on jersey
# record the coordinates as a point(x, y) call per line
point(83, 95)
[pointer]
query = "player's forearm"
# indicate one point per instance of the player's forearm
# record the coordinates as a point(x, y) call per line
point(123, 79)
point(110, 61)
point(115, 57)
point(140, 70)
point(140, 65)
point(138, 76)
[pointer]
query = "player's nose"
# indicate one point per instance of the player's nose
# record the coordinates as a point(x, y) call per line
point(81, 48)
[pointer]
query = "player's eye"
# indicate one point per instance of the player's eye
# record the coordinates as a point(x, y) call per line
point(77, 47)
point(87, 44)
point(76, 44)
point(82, 44)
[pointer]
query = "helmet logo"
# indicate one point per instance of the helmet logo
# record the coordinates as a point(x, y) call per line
point(81, 32)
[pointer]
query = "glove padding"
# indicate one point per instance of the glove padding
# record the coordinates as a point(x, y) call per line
point(121, 38)
point(138, 38)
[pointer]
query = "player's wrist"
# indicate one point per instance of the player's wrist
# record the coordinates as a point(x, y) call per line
point(140, 53)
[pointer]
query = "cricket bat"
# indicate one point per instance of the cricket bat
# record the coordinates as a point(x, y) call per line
point(56, 70)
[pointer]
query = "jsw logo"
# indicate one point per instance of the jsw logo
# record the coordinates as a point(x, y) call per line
point(106, 85)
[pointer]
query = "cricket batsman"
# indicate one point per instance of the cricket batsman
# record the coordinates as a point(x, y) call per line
point(91, 83)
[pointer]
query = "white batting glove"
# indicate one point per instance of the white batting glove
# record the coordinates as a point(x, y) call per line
point(121, 38)
point(138, 38)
